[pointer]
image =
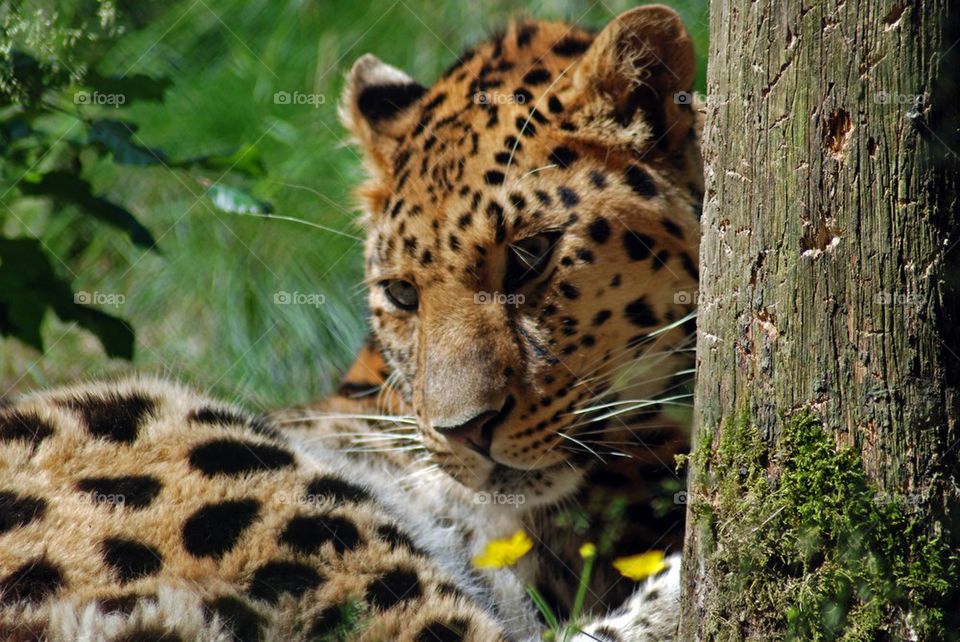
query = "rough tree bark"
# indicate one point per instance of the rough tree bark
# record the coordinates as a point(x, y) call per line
point(824, 479)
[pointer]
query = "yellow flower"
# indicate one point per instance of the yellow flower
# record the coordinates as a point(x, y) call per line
point(500, 553)
point(588, 551)
point(637, 567)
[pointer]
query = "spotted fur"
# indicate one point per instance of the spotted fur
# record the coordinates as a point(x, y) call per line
point(141, 510)
point(203, 522)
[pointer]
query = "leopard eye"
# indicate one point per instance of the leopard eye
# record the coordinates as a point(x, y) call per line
point(402, 294)
point(528, 258)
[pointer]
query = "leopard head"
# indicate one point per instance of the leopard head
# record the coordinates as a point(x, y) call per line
point(531, 241)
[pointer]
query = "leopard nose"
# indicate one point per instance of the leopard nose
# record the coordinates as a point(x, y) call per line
point(476, 433)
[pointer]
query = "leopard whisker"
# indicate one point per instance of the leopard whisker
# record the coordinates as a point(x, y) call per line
point(425, 472)
point(337, 415)
point(537, 169)
point(653, 334)
point(385, 437)
point(628, 372)
point(632, 408)
point(381, 450)
point(358, 437)
point(599, 363)
point(293, 219)
point(612, 453)
point(617, 429)
point(645, 381)
point(627, 380)
point(637, 403)
point(320, 195)
point(580, 443)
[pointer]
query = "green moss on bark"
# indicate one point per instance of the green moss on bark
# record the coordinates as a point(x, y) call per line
point(804, 549)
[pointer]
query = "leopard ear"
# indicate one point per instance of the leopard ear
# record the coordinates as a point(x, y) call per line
point(641, 67)
point(377, 104)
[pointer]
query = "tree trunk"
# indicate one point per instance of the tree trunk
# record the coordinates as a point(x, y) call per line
point(824, 489)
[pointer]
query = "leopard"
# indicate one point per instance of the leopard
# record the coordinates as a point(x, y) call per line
point(531, 256)
point(532, 227)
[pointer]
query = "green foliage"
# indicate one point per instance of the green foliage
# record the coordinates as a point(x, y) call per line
point(29, 287)
point(50, 137)
point(812, 551)
point(551, 619)
point(63, 187)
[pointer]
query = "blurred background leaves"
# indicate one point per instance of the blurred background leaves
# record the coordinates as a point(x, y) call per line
point(144, 147)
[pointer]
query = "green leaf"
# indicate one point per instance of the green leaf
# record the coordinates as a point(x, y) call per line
point(29, 287)
point(236, 201)
point(116, 136)
point(544, 607)
point(69, 188)
point(132, 87)
point(23, 321)
point(13, 130)
point(25, 78)
point(116, 336)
